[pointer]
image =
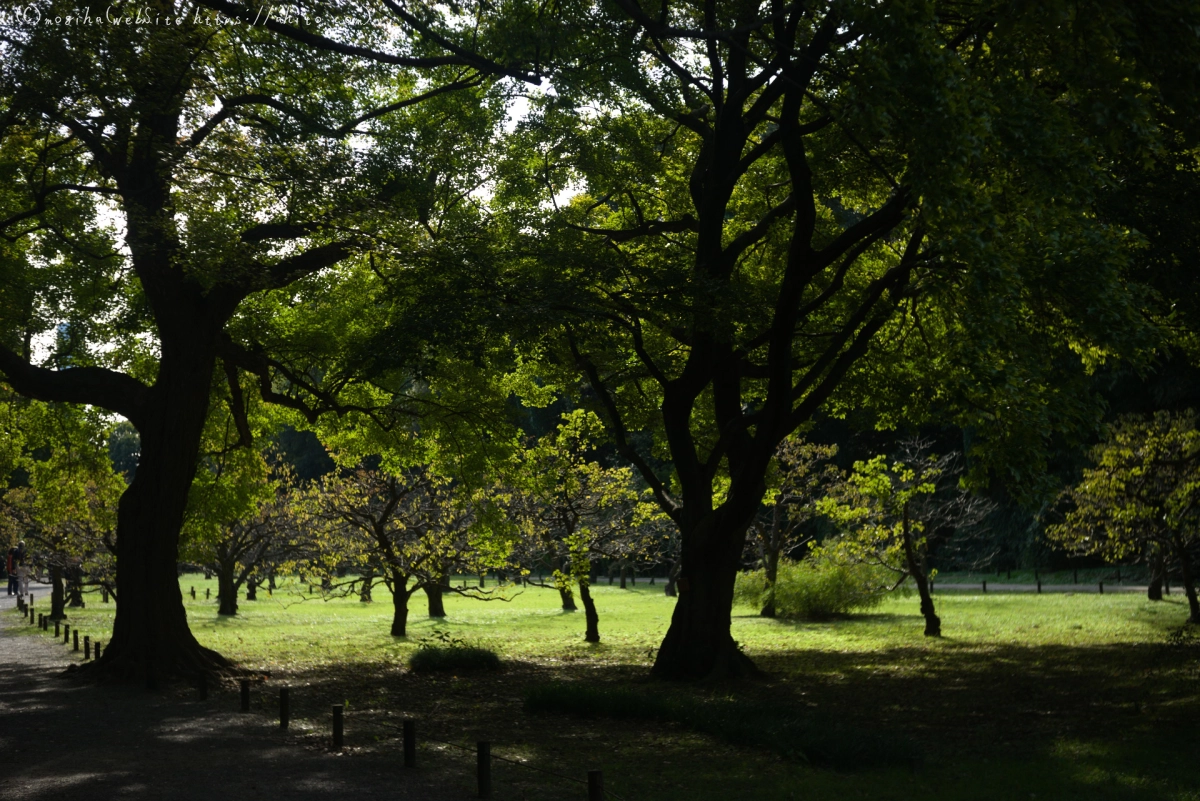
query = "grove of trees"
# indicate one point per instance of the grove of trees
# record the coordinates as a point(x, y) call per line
point(546, 279)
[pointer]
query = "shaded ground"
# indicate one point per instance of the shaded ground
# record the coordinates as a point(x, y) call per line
point(993, 722)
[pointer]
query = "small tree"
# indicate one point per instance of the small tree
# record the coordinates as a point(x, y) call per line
point(804, 476)
point(1142, 495)
point(409, 528)
point(890, 509)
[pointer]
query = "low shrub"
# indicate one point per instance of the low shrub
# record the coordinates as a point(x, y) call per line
point(442, 653)
point(787, 732)
point(815, 589)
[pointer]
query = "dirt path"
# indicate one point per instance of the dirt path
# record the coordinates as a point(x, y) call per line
point(63, 741)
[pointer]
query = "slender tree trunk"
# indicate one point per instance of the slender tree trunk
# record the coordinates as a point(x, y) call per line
point(75, 588)
point(933, 623)
point(251, 589)
point(364, 592)
point(400, 595)
point(226, 588)
point(624, 571)
point(1154, 591)
point(58, 599)
point(433, 595)
point(771, 572)
point(591, 617)
point(672, 578)
point(1187, 579)
point(564, 586)
point(698, 643)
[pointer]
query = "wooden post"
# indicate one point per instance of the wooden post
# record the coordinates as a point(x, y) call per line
point(193, 593)
point(207, 593)
point(104, 595)
point(57, 629)
point(1039, 586)
point(285, 712)
point(1102, 588)
point(595, 785)
point(985, 588)
point(245, 695)
point(66, 633)
point(410, 743)
point(39, 623)
point(96, 648)
point(483, 768)
point(75, 634)
point(337, 727)
point(87, 647)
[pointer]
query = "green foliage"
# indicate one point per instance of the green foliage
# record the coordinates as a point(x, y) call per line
point(443, 653)
point(816, 589)
point(789, 732)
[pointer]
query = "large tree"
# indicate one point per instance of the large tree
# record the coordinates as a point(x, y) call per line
point(155, 177)
point(741, 214)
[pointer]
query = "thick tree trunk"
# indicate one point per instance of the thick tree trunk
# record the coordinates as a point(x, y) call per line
point(698, 643)
point(227, 603)
point(400, 595)
point(933, 623)
point(591, 617)
point(1154, 591)
point(151, 639)
point(58, 598)
point(568, 599)
point(433, 594)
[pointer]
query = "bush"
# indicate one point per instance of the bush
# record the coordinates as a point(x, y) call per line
point(815, 589)
point(445, 654)
point(791, 733)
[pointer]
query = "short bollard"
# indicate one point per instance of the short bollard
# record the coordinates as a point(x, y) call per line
point(193, 593)
point(1039, 586)
point(284, 711)
point(595, 785)
point(1102, 588)
point(483, 767)
point(410, 743)
point(985, 588)
point(87, 646)
point(96, 649)
point(337, 727)
point(57, 629)
point(245, 695)
point(75, 636)
point(66, 633)
point(45, 623)
point(207, 592)
point(41, 617)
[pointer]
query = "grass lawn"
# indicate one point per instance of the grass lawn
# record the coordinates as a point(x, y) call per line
point(1027, 696)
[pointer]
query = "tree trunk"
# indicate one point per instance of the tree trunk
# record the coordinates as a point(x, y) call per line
point(771, 572)
point(433, 594)
point(58, 600)
point(1154, 591)
point(151, 638)
point(568, 599)
point(698, 643)
point(364, 592)
point(933, 623)
point(1187, 579)
point(75, 588)
point(399, 605)
point(624, 570)
point(672, 578)
point(592, 619)
point(226, 589)
point(252, 589)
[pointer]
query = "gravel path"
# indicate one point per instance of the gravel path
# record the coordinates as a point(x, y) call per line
point(63, 741)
